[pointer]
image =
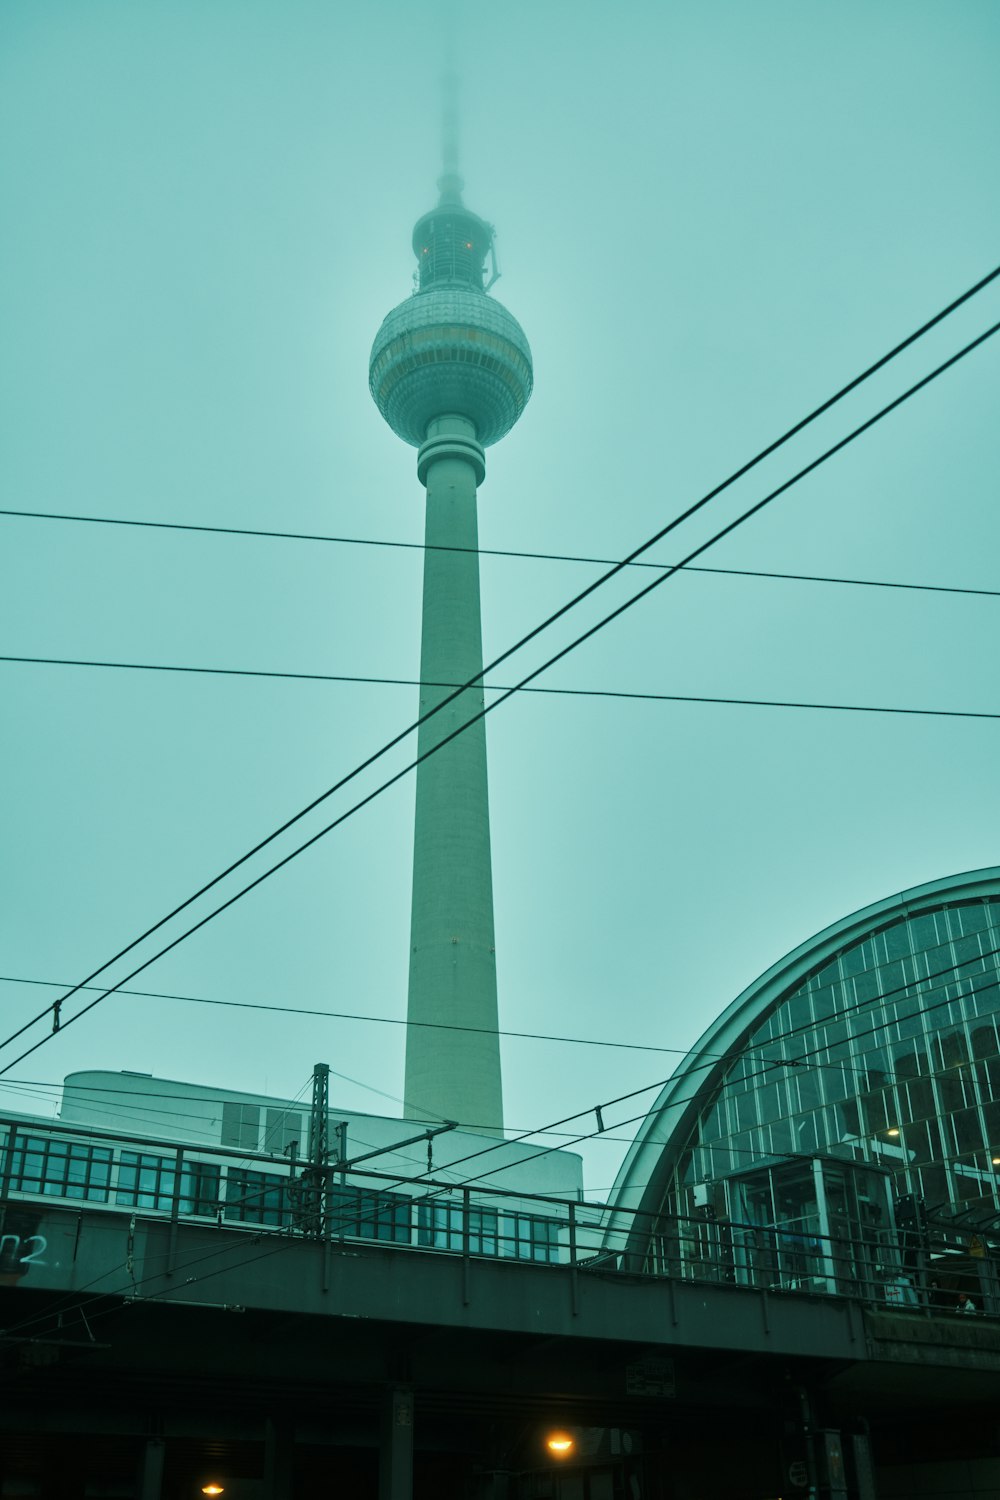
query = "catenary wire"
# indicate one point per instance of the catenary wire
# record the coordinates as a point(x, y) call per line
point(498, 1145)
point(769, 1064)
point(947, 973)
point(345, 1015)
point(505, 552)
point(577, 1139)
point(589, 1135)
point(399, 1181)
point(284, 1243)
point(491, 687)
point(488, 708)
point(539, 1036)
point(758, 458)
point(883, 1025)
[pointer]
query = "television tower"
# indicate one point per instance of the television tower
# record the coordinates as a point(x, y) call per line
point(450, 372)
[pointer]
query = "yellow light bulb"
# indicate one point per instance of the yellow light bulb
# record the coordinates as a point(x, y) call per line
point(560, 1444)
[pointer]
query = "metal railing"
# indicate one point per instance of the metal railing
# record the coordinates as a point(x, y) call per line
point(907, 1271)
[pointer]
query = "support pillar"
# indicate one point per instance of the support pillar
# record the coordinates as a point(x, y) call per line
point(395, 1459)
point(151, 1469)
point(279, 1458)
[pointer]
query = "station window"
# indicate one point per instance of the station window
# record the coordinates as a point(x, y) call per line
point(62, 1169)
point(528, 1237)
point(440, 1225)
point(368, 1215)
point(148, 1181)
point(257, 1198)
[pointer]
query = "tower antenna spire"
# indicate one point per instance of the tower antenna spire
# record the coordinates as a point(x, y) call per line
point(450, 182)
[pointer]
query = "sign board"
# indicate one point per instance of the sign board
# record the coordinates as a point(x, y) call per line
point(651, 1377)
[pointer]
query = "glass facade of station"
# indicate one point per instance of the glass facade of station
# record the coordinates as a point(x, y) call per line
point(888, 1053)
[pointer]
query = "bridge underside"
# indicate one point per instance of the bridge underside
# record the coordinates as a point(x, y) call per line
point(288, 1368)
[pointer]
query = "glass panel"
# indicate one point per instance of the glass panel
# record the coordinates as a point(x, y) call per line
point(973, 918)
point(61, 1169)
point(258, 1197)
point(200, 1184)
point(145, 1181)
point(923, 932)
point(369, 1215)
point(968, 1130)
point(439, 1225)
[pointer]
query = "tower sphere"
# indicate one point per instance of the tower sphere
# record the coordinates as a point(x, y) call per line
point(450, 350)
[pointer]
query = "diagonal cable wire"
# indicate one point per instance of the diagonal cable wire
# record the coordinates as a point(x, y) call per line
point(752, 463)
point(499, 1145)
point(656, 583)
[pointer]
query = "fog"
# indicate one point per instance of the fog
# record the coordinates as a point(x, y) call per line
point(709, 218)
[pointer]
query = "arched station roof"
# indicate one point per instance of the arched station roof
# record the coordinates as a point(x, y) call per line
point(647, 1167)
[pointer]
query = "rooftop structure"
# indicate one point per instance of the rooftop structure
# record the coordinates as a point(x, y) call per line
point(203, 1118)
point(451, 373)
point(875, 1042)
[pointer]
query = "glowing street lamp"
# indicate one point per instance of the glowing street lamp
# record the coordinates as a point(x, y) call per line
point(560, 1444)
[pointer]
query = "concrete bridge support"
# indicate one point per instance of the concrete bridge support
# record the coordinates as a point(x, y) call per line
point(395, 1465)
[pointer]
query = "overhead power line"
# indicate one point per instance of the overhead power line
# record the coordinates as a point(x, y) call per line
point(949, 975)
point(66, 1307)
point(761, 1072)
point(492, 687)
point(505, 552)
point(919, 385)
point(552, 1129)
point(570, 1139)
point(344, 1015)
point(946, 973)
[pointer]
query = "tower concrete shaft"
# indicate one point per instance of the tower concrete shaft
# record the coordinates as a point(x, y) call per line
point(452, 1074)
point(451, 373)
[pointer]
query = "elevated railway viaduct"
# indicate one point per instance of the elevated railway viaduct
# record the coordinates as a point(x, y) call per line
point(148, 1358)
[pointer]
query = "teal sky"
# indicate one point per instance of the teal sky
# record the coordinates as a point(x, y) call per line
point(710, 216)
